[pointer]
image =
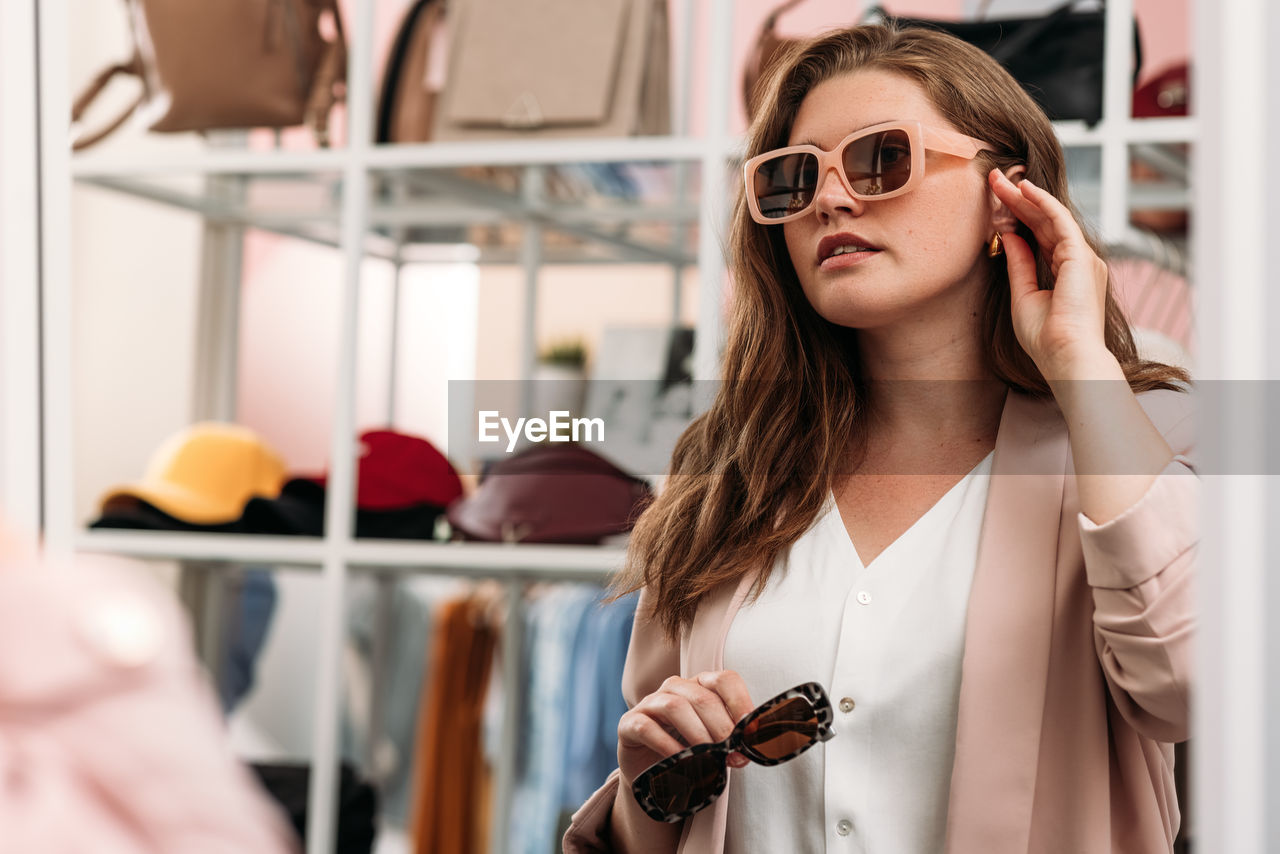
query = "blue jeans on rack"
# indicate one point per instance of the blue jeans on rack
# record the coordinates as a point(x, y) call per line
point(247, 617)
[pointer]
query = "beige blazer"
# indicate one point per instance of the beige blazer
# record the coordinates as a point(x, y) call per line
point(1077, 659)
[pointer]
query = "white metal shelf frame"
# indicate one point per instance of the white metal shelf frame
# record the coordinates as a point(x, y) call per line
point(489, 560)
point(337, 555)
point(519, 153)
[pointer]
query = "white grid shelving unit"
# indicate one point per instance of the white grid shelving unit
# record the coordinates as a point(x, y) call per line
point(349, 223)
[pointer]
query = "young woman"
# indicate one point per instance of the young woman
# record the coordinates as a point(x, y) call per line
point(917, 308)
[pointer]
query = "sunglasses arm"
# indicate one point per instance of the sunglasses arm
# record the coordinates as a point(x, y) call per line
point(950, 142)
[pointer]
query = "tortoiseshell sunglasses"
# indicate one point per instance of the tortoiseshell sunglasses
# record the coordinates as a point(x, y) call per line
point(775, 731)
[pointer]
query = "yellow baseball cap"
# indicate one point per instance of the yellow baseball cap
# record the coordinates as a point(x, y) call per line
point(206, 474)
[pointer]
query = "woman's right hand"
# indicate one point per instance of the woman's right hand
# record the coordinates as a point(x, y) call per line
point(681, 713)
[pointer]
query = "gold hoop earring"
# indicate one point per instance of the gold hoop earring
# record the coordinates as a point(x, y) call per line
point(996, 248)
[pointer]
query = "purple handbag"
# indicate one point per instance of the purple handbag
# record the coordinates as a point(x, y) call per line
point(559, 493)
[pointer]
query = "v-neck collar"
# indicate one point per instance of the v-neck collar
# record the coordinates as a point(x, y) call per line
point(840, 530)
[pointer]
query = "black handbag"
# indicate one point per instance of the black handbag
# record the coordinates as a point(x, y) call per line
point(1057, 57)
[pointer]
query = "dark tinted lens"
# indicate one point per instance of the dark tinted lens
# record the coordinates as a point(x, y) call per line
point(782, 729)
point(683, 786)
point(879, 163)
point(784, 185)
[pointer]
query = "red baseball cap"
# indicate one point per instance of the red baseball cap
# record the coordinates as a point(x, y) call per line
point(397, 470)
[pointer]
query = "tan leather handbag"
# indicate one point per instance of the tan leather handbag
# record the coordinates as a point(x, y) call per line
point(227, 64)
point(557, 68)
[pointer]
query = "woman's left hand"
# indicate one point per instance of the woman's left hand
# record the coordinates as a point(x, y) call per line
point(1063, 326)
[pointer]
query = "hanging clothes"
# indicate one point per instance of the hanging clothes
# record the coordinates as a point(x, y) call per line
point(408, 624)
point(575, 646)
point(596, 701)
point(1155, 298)
point(450, 779)
point(554, 623)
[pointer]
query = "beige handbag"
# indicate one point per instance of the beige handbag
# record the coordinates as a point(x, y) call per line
point(556, 68)
point(227, 64)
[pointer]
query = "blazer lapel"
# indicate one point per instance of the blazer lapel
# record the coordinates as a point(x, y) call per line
point(1007, 634)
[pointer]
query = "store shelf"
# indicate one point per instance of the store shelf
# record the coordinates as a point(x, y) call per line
point(214, 548)
point(610, 212)
point(1131, 131)
point(1150, 195)
point(515, 152)
point(503, 560)
point(424, 194)
point(490, 560)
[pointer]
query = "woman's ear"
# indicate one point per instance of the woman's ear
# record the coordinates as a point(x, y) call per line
point(1002, 219)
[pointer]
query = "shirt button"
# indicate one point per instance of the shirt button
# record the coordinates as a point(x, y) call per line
point(846, 705)
point(844, 827)
point(864, 597)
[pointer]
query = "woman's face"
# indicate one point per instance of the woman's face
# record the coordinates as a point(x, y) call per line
point(929, 244)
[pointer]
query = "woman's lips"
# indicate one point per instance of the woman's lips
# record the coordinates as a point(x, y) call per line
point(829, 250)
point(848, 259)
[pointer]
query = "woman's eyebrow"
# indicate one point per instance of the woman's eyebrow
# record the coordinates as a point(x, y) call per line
point(810, 141)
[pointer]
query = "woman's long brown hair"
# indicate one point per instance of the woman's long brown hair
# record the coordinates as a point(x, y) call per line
point(751, 474)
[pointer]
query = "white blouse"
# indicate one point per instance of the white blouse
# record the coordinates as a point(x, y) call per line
point(886, 642)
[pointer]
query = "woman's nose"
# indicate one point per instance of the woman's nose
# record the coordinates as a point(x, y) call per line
point(833, 197)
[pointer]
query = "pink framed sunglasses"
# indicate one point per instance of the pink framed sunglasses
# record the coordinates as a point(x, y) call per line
point(878, 162)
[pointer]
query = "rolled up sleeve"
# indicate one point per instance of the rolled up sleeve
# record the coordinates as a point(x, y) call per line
point(1141, 566)
point(1149, 536)
point(588, 831)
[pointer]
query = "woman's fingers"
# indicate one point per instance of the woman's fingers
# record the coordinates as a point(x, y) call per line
point(672, 707)
point(1048, 219)
point(1021, 263)
point(731, 689)
point(1016, 200)
point(1052, 210)
point(710, 707)
point(638, 729)
point(1072, 313)
point(682, 712)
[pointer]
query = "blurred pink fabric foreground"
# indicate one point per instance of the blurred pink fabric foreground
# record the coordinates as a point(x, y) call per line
point(110, 739)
